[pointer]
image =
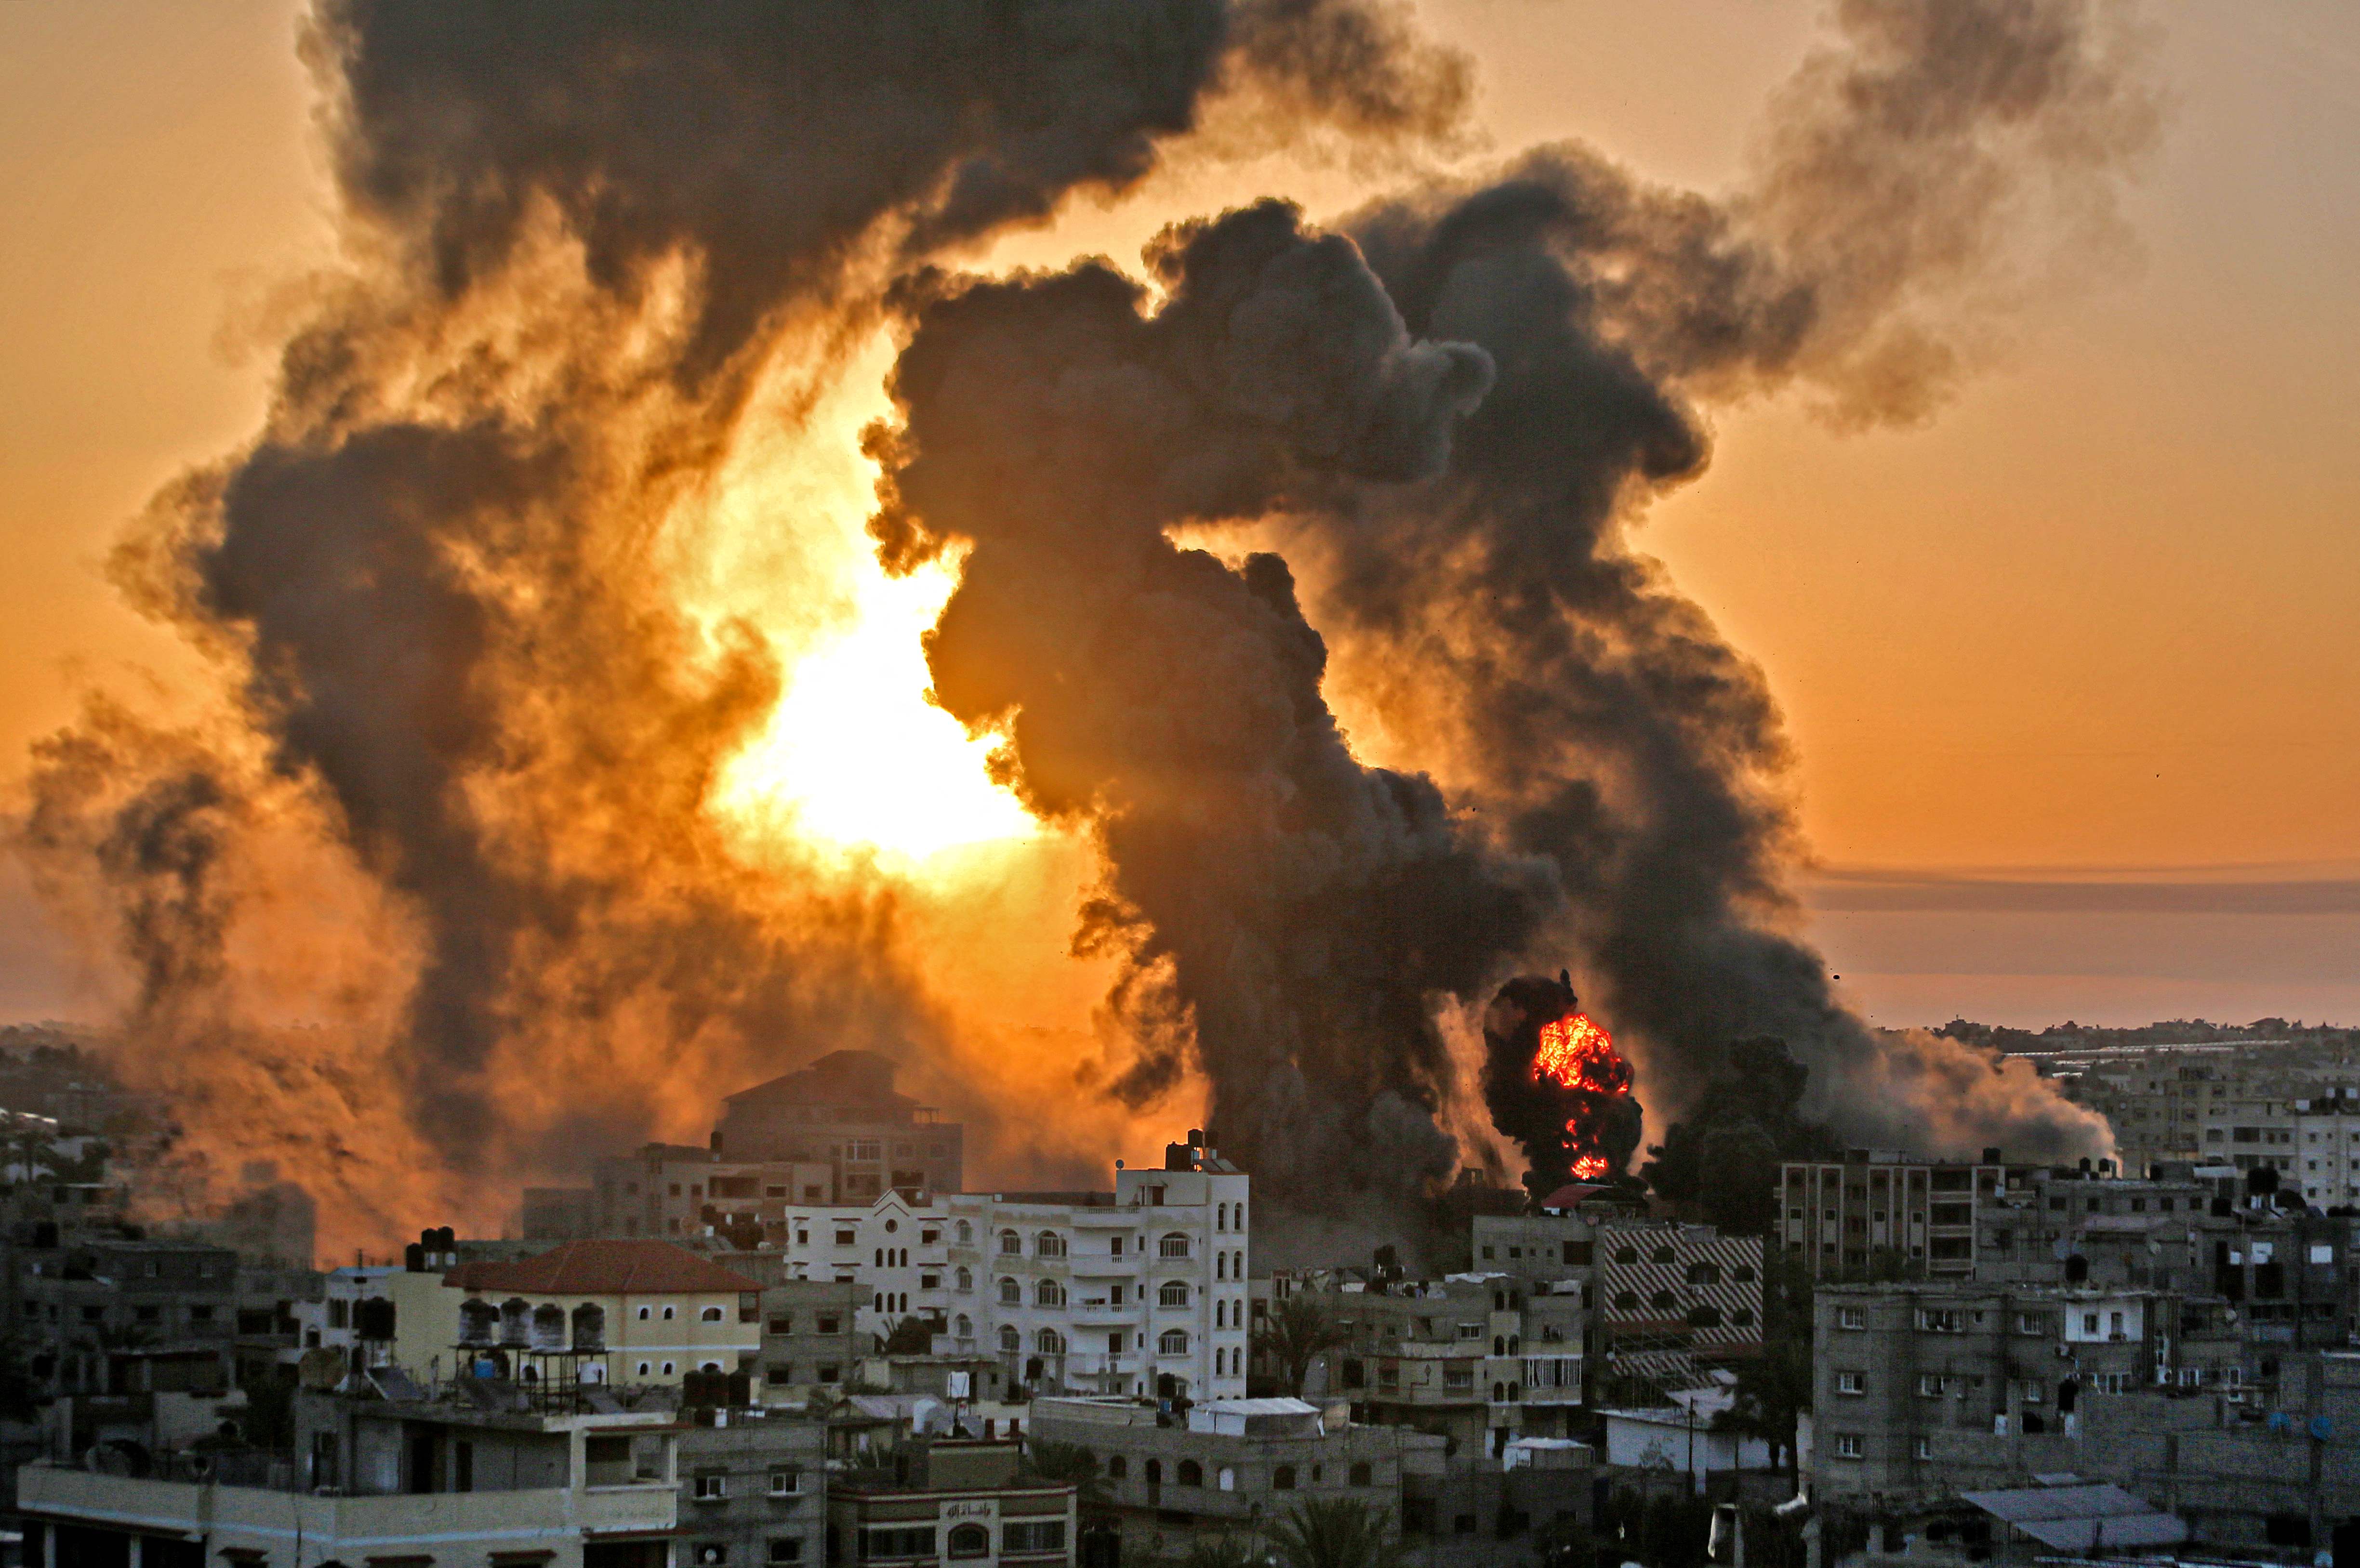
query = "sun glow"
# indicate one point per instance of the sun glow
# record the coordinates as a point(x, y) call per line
point(856, 755)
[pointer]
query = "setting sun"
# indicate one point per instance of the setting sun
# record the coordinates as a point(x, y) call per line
point(856, 755)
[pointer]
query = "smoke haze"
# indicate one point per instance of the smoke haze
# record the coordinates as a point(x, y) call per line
point(593, 252)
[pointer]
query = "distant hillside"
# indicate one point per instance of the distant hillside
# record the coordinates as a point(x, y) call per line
point(2071, 1036)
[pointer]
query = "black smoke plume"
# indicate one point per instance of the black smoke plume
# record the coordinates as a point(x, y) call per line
point(1616, 768)
point(579, 237)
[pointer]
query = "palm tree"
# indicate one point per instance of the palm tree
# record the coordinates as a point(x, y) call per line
point(1299, 1330)
point(1223, 1552)
point(1335, 1533)
point(911, 1335)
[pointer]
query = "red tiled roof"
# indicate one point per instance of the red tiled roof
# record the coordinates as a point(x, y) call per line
point(604, 1269)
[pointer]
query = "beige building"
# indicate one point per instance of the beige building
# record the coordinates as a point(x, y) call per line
point(412, 1483)
point(602, 1311)
point(952, 1500)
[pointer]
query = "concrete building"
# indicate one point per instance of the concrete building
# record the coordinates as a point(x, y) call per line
point(811, 1337)
point(1231, 1468)
point(1844, 1216)
point(842, 1113)
point(753, 1488)
point(955, 1499)
point(384, 1481)
point(96, 1312)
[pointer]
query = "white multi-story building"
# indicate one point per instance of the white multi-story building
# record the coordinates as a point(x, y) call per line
point(1139, 1291)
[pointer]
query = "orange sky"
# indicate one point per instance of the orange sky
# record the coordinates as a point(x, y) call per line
point(2100, 613)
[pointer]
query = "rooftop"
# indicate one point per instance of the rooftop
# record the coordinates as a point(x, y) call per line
point(604, 1268)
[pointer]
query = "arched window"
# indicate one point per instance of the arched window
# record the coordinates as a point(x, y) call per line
point(643, 1314)
point(1011, 1244)
point(1360, 1474)
point(1499, 1393)
point(1220, 1266)
point(1283, 1478)
point(1172, 1245)
point(1172, 1293)
point(1049, 1243)
point(1238, 1217)
point(1172, 1342)
point(1189, 1474)
point(1049, 1342)
point(1221, 1217)
point(965, 1329)
point(965, 1233)
point(1012, 1294)
point(1155, 1472)
point(1007, 1338)
point(1048, 1294)
point(1117, 1468)
point(1515, 1345)
point(1499, 1345)
point(710, 1315)
point(966, 1278)
point(969, 1540)
point(1515, 1392)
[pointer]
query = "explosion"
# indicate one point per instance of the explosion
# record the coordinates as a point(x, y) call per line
point(1579, 1057)
point(555, 735)
point(1555, 1084)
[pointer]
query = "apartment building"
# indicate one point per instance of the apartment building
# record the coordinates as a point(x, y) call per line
point(101, 1312)
point(1896, 1365)
point(1141, 1292)
point(2069, 1225)
point(1232, 1467)
point(810, 1338)
point(843, 1113)
point(382, 1480)
point(753, 1489)
point(1844, 1216)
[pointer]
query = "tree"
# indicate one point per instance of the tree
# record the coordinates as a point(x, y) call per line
point(1067, 1464)
point(1334, 1532)
point(911, 1335)
point(1772, 1389)
point(1299, 1331)
point(1222, 1551)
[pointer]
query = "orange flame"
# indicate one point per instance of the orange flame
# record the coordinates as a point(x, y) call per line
point(1576, 1052)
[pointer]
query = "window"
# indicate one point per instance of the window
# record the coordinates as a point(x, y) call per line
point(1283, 1478)
point(643, 1368)
point(786, 1483)
point(711, 1487)
point(965, 1277)
point(1190, 1474)
point(1172, 1293)
point(829, 1372)
point(1048, 1294)
point(1012, 1294)
point(1359, 1474)
point(1032, 1535)
point(710, 1315)
point(971, 1540)
point(1010, 1340)
point(786, 1549)
point(1117, 1468)
point(1049, 1243)
point(644, 1313)
point(1172, 1342)
point(668, 1369)
point(1011, 1244)
point(1049, 1342)
point(1172, 1245)
point(670, 1314)
point(965, 1233)
point(965, 1329)
point(827, 1323)
point(1851, 1383)
point(1848, 1445)
point(1921, 1447)
point(847, 1236)
point(1941, 1320)
point(780, 1322)
point(1852, 1317)
point(1932, 1385)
